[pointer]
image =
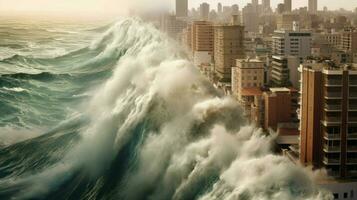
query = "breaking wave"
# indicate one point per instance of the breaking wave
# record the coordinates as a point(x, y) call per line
point(155, 129)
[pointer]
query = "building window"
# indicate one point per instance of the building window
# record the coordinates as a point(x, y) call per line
point(335, 196)
point(345, 195)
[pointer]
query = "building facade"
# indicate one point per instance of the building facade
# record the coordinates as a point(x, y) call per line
point(328, 136)
point(228, 46)
point(181, 8)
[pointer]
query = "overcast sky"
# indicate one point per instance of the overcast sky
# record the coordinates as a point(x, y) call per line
point(116, 6)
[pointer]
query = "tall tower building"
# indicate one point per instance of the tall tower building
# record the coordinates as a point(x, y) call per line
point(204, 11)
point(287, 6)
point(312, 6)
point(181, 8)
point(255, 2)
point(219, 8)
point(228, 46)
point(328, 137)
point(266, 5)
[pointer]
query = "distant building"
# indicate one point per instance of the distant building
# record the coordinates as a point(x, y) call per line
point(312, 6)
point(173, 26)
point(181, 8)
point(266, 5)
point(204, 11)
point(250, 18)
point(202, 41)
point(228, 46)
point(285, 21)
point(328, 116)
point(349, 40)
point(287, 6)
point(219, 8)
point(280, 8)
point(292, 43)
point(248, 73)
point(285, 71)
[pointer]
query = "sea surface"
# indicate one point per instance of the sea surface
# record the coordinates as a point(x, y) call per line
point(116, 110)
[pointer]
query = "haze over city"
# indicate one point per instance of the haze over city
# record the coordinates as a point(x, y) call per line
point(122, 6)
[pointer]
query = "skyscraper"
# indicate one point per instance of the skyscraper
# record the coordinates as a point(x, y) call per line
point(287, 6)
point(328, 118)
point(219, 8)
point(312, 6)
point(181, 8)
point(266, 5)
point(228, 46)
point(255, 2)
point(204, 11)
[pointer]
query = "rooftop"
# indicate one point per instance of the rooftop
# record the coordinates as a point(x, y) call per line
point(253, 91)
point(284, 89)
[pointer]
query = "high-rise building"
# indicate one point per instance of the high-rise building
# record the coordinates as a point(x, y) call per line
point(328, 116)
point(287, 6)
point(280, 8)
point(292, 43)
point(181, 8)
point(349, 40)
point(219, 8)
point(255, 3)
point(172, 25)
point(266, 5)
point(235, 9)
point(248, 73)
point(204, 11)
point(312, 6)
point(228, 46)
point(285, 21)
point(250, 18)
point(284, 71)
point(202, 41)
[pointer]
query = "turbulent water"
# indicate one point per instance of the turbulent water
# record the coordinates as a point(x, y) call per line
point(119, 112)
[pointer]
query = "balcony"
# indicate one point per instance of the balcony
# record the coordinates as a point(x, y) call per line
point(352, 136)
point(352, 107)
point(352, 161)
point(331, 161)
point(353, 82)
point(332, 136)
point(333, 82)
point(332, 119)
point(352, 119)
point(352, 173)
point(353, 95)
point(332, 149)
point(329, 107)
point(352, 149)
point(333, 95)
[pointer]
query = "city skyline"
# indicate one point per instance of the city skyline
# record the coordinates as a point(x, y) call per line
point(331, 5)
point(123, 7)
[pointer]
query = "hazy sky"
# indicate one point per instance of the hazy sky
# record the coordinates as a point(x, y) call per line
point(116, 6)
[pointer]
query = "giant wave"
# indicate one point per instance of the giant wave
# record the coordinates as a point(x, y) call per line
point(156, 129)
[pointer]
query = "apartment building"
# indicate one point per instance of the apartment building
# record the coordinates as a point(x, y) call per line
point(328, 136)
point(228, 46)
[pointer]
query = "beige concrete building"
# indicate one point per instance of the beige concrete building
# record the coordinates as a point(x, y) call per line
point(202, 36)
point(285, 21)
point(248, 73)
point(228, 46)
point(349, 40)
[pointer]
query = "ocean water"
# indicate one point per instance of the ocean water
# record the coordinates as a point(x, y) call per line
point(117, 111)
